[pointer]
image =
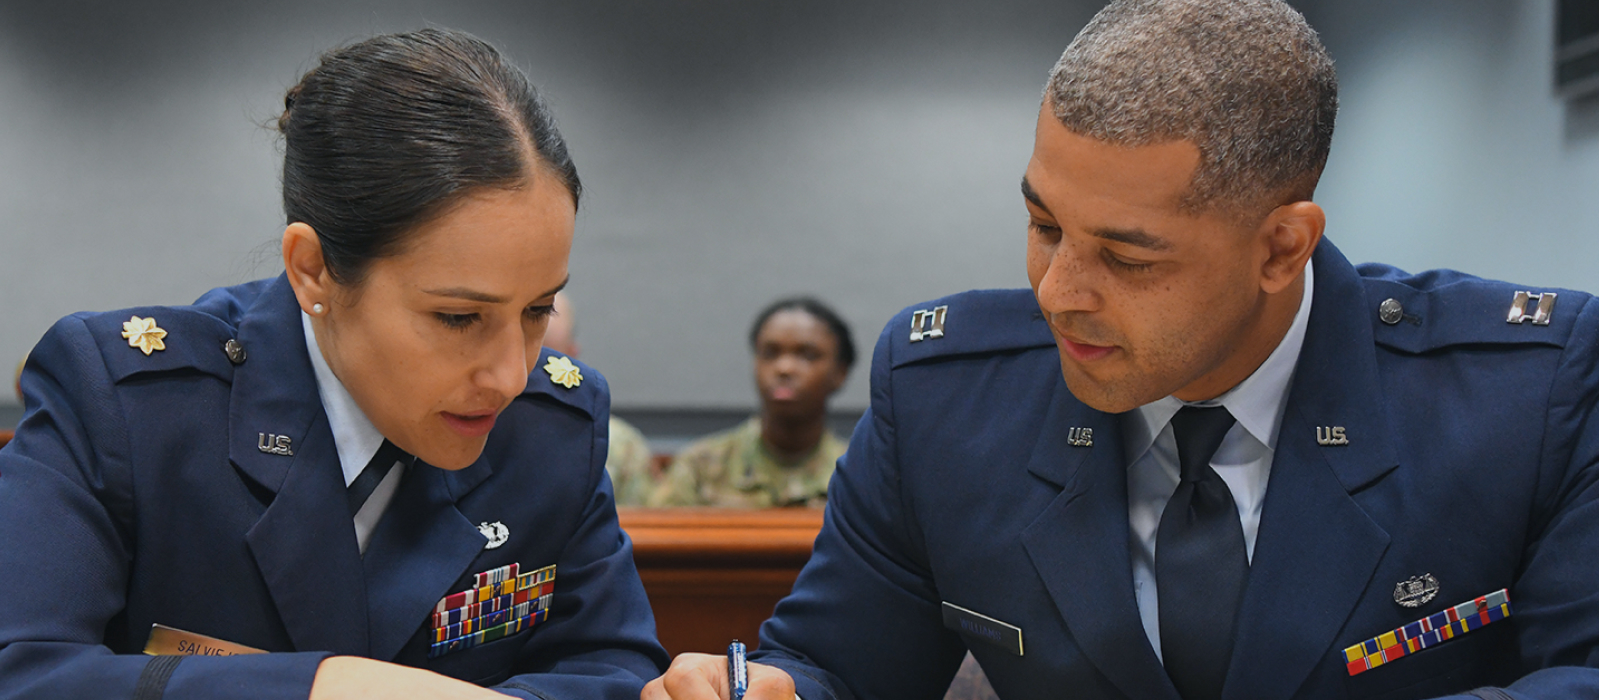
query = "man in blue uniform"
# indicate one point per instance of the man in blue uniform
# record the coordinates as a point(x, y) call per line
point(1206, 457)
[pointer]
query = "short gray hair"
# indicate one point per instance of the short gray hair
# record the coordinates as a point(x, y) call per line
point(1247, 81)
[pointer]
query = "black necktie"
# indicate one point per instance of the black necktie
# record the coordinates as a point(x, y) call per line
point(1200, 562)
point(372, 475)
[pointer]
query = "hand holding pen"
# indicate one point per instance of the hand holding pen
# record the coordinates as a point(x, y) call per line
point(717, 677)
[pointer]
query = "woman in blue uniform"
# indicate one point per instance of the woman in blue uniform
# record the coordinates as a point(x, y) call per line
point(366, 467)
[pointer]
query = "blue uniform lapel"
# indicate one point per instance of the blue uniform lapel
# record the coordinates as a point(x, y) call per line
point(305, 543)
point(1317, 549)
point(413, 560)
point(1079, 547)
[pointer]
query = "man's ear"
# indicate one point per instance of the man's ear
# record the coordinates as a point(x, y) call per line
point(1291, 233)
point(307, 271)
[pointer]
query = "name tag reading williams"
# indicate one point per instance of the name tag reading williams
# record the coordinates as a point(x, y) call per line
point(979, 626)
point(169, 641)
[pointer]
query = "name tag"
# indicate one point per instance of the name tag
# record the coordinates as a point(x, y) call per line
point(169, 641)
point(978, 626)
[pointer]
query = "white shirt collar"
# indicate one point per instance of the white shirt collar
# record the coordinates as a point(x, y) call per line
point(354, 436)
point(1257, 402)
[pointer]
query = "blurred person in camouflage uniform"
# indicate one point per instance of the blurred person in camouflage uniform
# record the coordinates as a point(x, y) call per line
point(784, 455)
point(628, 459)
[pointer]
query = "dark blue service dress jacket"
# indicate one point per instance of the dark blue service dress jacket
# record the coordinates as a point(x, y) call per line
point(137, 492)
point(1472, 455)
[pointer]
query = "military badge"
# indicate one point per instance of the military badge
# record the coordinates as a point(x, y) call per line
point(1416, 591)
point(563, 372)
point(496, 533)
point(142, 333)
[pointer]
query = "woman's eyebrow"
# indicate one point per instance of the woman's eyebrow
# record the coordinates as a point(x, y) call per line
point(485, 297)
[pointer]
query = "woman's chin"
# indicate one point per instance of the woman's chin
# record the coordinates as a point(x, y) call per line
point(453, 453)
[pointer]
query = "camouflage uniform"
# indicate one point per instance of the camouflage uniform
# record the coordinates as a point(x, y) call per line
point(630, 463)
point(734, 469)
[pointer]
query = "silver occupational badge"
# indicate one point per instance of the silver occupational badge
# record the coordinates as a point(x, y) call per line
point(1416, 591)
point(274, 444)
point(928, 323)
point(1080, 437)
point(1331, 435)
point(496, 533)
point(1542, 312)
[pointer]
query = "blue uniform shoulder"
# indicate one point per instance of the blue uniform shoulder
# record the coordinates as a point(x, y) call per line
point(569, 382)
point(141, 340)
point(975, 322)
point(1442, 308)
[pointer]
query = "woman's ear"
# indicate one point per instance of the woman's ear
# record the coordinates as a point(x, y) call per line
point(307, 271)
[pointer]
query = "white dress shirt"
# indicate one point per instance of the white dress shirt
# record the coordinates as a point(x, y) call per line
point(1243, 460)
point(355, 438)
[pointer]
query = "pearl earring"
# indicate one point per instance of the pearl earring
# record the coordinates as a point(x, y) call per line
point(316, 309)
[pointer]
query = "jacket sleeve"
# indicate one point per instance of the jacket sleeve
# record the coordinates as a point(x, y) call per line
point(863, 619)
point(1555, 599)
point(66, 548)
point(600, 641)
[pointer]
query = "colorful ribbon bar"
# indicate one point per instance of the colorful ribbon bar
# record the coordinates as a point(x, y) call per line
point(1434, 629)
point(502, 602)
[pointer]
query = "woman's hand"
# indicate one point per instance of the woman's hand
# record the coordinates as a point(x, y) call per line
point(704, 677)
point(355, 677)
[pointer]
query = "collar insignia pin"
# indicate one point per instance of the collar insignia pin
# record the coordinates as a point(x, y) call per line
point(928, 323)
point(563, 372)
point(142, 333)
point(1080, 437)
point(496, 533)
point(1331, 435)
point(1416, 591)
point(274, 444)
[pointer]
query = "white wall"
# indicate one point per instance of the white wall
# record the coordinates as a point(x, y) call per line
point(1452, 149)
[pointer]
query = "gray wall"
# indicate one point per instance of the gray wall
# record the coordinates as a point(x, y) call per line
point(867, 152)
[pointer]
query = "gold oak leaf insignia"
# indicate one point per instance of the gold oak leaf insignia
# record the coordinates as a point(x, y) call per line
point(142, 333)
point(563, 372)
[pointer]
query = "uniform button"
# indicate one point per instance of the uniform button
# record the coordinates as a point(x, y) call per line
point(235, 351)
point(1390, 311)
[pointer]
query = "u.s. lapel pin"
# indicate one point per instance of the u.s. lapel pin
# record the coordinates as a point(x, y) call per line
point(142, 333)
point(563, 372)
point(274, 444)
point(496, 533)
point(1080, 437)
point(1331, 435)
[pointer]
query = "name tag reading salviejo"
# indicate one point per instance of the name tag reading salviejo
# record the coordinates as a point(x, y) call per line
point(979, 626)
point(169, 641)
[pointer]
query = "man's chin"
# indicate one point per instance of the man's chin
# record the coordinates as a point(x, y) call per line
point(1108, 397)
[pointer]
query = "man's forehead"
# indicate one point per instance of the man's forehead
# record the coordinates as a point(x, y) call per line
point(1067, 164)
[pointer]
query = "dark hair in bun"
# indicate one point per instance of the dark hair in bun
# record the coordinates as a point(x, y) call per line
point(383, 135)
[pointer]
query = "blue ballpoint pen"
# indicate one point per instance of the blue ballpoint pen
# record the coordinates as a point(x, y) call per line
point(738, 671)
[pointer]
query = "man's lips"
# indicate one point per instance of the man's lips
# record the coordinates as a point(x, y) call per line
point(783, 393)
point(1083, 352)
point(474, 424)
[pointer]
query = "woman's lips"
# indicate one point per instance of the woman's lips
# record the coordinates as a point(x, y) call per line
point(783, 393)
point(1083, 352)
point(470, 424)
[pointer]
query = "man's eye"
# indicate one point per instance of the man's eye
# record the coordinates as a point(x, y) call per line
point(1042, 229)
point(1121, 264)
point(457, 321)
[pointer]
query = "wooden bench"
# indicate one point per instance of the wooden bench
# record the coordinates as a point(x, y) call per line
point(5, 437)
point(714, 574)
